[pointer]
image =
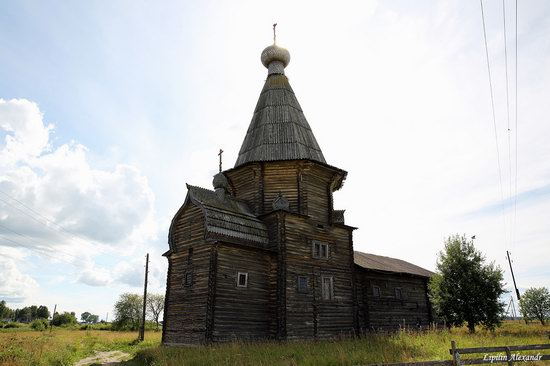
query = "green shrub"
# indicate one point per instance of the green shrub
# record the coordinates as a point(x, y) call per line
point(13, 325)
point(39, 324)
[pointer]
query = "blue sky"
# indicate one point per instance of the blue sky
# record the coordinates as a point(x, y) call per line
point(111, 107)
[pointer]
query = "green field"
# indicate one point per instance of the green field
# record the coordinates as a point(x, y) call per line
point(64, 347)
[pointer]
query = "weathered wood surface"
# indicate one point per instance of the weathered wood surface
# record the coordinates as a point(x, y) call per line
point(387, 311)
point(243, 312)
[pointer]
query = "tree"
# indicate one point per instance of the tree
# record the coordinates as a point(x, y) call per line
point(64, 319)
point(42, 312)
point(535, 304)
point(5, 311)
point(84, 316)
point(128, 310)
point(93, 319)
point(465, 289)
point(155, 306)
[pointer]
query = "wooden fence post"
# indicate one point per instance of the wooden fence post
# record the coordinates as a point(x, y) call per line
point(453, 348)
point(509, 356)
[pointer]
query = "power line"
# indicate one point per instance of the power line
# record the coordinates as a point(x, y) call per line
point(493, 110)
point(48, 224)
point(41, 251)
point(516, 130)
point(40, 245)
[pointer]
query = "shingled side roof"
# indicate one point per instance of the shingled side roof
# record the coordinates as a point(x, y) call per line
point(278, 130)
point(387, 264)
point(227, 216)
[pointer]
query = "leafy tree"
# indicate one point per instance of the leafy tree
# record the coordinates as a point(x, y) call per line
point(93, 319)
point(155, 306)
point(42, 312)
point(5, 311)
point(128, 311)
point(39, 324)
point(64, 319)
point(535, 304)
point(84, 316)
point(465, 289)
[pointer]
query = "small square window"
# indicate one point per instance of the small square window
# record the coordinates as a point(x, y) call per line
point(302, 284)
point(398, 293)
point(188, 282)
point(320, 250)
point(242, 279)
point(376, 291)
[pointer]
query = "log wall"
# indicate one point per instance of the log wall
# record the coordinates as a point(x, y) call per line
point(388, 312)
point(244, 312)
point(185, 313)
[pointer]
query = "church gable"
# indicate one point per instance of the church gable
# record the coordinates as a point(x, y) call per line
point(221, 217)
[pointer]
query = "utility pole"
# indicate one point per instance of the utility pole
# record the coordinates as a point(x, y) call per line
point(107, 317)
point(142, 328)
point(53, 314)
point(512, 271)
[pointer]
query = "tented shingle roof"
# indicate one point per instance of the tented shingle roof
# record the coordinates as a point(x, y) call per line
point(387, 264)
point(278, 130)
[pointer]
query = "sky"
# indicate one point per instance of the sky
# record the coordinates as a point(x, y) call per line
point(108, 108)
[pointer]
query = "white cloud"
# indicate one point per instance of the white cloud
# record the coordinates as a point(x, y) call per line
point(53, 198)
point(15, 286)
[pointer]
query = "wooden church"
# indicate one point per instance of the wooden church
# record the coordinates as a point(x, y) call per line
point(264, 254)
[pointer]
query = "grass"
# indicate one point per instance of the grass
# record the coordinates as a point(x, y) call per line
point(24, 347)
point(375, 348)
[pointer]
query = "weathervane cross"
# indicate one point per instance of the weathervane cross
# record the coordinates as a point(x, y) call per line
point(274, 34)
point(220, 155)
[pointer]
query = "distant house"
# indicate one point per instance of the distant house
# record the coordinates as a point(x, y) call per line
point(264, 255)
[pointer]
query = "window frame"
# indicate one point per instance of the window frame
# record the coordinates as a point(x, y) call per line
point(400, 290)
point(188, 279)
point(299, 288)
point(245, 274)
point(319, 253)
point(376, 291)
point(330, 296)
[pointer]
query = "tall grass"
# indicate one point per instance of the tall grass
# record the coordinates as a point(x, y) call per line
point(22, 347)
point(374, 348)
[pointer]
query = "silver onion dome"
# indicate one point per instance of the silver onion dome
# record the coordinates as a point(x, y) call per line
point(275, 58)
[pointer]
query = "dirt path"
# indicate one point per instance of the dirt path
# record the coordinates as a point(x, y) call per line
point(104, 358)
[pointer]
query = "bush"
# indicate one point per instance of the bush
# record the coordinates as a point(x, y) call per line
point(13, 325)
point(39, 324)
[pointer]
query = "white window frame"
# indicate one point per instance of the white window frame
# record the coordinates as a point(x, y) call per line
point(245, 274)
point(319, 254)
point(330, 295)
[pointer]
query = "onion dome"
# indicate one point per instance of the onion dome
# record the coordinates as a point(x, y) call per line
point(275, 59)
point(220, 181)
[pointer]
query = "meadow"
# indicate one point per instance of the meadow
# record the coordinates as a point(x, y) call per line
point(63, 347)
point(22, 347)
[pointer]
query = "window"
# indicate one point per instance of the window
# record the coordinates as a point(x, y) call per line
point(398, 294)
point(320, 250)
point(189, 255)
point(375, 291)
point(302, 284)
point(188, 281)
point(327, 290)
point(242, 279)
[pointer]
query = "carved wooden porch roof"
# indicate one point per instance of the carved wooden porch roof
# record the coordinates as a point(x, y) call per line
point(226, 216)
point(278, 130)
point(379, 263)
